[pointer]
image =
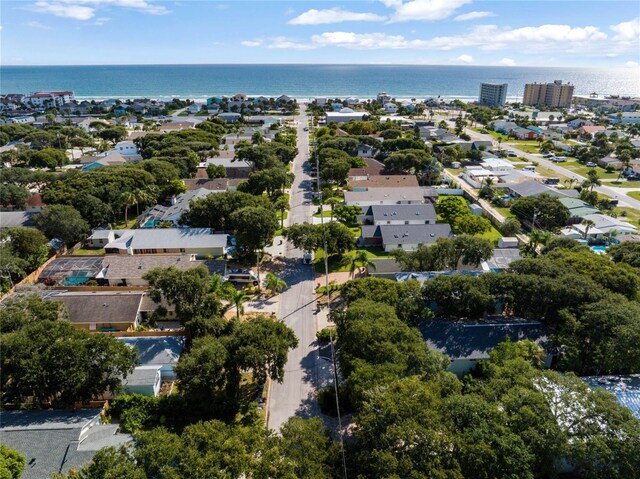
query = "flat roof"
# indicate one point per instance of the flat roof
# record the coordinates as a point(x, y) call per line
point(167, 238)
point(386, 181)
point(382, 194)
point(474, 340)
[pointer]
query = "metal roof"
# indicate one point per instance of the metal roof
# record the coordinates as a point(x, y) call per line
point(156, 350)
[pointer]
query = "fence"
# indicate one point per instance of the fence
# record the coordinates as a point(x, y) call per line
point(31, 278)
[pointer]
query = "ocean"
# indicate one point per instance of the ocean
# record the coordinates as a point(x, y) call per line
point(305, 81)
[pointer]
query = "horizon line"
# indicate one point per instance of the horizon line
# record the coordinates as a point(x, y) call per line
point(311, 64)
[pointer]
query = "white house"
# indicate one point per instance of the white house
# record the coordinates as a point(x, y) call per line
point(390, 108)
point(345, 115)
point(127, 148)
point(384, 196)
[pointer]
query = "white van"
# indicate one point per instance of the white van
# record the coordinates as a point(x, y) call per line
point(238, 276)
point(530, 168)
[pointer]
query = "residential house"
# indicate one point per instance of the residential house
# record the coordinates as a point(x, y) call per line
point(528, 133)
point(608, 224)
point(626, 389)
point(230, 117)
point(467, 343)
point(384, 196)
point(581, 231)
point(198, 241)
point(366, 150)
point(129, 270)
point(234, 169)
point(169, 127)
point(283, 99)
point(482, 145)
point(54, 441)
point(502, 258)
point(126, 148)
point(535, 188)
point(384, 181)
point(100, 238)
point(504, 126)
point(13, 219)
point(112, 158)
point(390, 108)
point(102, 311)
point(611, 161)
point(213, 184)
point(579, 122)
point(404, 236)
point(179, 206)
point(399, 214)
point(625, 118)
point(162, 351)
point(194, 108)
point(578, 208)
point(383, 97)
point(345, 115)
point(590, 130)
point(496, 165)
point(71, 270)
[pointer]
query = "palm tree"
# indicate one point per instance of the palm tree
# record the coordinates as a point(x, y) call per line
point(359, 261)
point(274, 284)
point(587, 225)
point(571, 182)
point(128, 199)
point(281, 204)
point(236, 298)
point(332, 202)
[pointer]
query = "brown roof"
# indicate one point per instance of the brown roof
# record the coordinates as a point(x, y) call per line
point(101, 307)
point(368, 171)
point(202, 173)
point(386, 181)
point(215, 184)
point(133, 267)
point(35, 201)
point(176, 126)
point(140, 134)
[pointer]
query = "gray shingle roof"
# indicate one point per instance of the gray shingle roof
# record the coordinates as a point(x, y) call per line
point(403, 212)
point(135, 266)
point(474, 340)
point(534, 188)
point(11, 219)
point(143, 376)
point(414, 234)
point(156, 350)
point(100, 307)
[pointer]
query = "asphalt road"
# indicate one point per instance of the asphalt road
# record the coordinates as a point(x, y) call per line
point(620, 195)
point(295, 395)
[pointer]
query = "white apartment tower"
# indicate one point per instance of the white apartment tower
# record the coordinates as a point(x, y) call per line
point(493, 94)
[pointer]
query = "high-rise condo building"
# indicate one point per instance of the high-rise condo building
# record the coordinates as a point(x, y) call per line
point(493, 94)
point(555, 95)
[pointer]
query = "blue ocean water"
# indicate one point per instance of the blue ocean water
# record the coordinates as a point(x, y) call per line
point(304, 81)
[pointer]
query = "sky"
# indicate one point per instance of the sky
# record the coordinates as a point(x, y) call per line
point(510, 33)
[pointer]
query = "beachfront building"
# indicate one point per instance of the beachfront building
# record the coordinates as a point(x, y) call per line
point(345, 115)
point(555, 95)
point(493, 94)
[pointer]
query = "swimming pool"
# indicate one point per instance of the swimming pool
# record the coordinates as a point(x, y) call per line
point(599, 249)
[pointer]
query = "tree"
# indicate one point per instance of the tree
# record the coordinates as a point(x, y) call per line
point(255, 227)
point(216, 171)
point(626, 252)
point(310, 237)
point(471, 225)
point(451, 207)
point(236, 299)
point(592, 180)
point(114, 134)
point(406, 161)
point(468, 250)
point(28, 244)
point(192, 291)
point(46, 158)
point(587, 226)
point(307, 444)
point(348, 214)
point(281, 204)
point(550, 214)
point(335, 170)
point(51, 360)
point(63, 222)
point(274, 284)
point(13, 196)
point(201, 372)
point(510, 226)
point(11, 463)
point(359, 260)
point(273, 181)
point(458, 296)
point(216, 211)
point(261, 345)
point(128, 199)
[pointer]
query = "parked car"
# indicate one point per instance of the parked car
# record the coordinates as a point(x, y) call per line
point(559, 159)
point(591, 164)
point(483, 131)
point(511, 154)
point(548, 155)
point(239, 276)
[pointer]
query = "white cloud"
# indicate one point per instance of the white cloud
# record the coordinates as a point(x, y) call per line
point(627, 31)
point(287, 44)
point(631, 64)
point(334, 15)
point(77, 12)
point(365, 41)
point(465, 59)
point(507, 62)
point(34, 24)
point(473, 16)
point(101, 21)
point(424, 9)
point(86, 9)
point(251, 43)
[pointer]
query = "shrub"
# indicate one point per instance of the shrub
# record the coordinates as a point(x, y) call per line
point(325, 334)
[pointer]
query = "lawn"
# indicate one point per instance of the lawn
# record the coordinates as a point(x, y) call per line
point(325, 213)
point(582, 170)
point(493, 235)
point(88, 252)
point(622, 184)
point(634, 194)
point(543, 170)
point(628, 214)
point(337, 264)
